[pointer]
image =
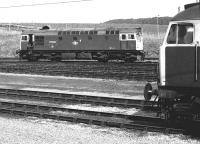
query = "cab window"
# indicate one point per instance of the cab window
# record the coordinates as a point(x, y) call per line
point(24, 37)
point(171, 38)
point(131, 36)
point(185, 34)
point(180, 34)
point(123, 37)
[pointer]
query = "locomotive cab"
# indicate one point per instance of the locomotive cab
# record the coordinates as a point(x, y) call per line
point(179, 55)
point(26, 40)
point(179, 64)
point(27, 44)
point(129, 41)
point(132, 40)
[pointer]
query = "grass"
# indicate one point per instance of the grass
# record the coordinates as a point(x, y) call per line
point(10, 40)
point(152, 43)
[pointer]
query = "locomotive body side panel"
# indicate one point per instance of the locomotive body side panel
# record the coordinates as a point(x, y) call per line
point(79, 42)
point(180, 66)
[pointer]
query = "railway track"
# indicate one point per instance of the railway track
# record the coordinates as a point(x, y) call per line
point(132, 71)
point(49, 105)
point(87, 117)
point(63, 98)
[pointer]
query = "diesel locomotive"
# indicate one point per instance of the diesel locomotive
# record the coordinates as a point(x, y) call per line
point(101, 44)
point(178, 86)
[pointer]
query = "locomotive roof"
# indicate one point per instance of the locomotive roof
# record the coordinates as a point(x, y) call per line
point(55, 32)
point(191, 12)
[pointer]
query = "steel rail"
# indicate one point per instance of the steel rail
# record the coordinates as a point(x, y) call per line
point(17, 59)
point(96, 118)
point(54, 97)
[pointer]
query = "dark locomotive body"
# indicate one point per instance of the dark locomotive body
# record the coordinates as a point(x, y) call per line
point(102, 44)
point(179, 82)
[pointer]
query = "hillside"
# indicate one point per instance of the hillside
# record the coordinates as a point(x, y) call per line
point(154, 20)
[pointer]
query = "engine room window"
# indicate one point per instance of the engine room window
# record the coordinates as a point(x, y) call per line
point(180, 34)
point(73, 32)
point(91, 32)
point(116, 32)
point(112, 32)
point(64, 33)
point(77, 32)
point(95, 32)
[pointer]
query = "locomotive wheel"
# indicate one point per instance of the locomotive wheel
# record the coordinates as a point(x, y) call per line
point(147, 92)
point(32, 58)
point(130, 59)
point(103, 60)
point(56, 59)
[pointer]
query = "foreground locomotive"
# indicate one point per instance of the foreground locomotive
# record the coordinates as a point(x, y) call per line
point(101, 44)
point(179, 82)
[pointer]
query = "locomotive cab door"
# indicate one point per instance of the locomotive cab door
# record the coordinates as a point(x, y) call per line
point(31, 41)
point(181, 56)
point(127, 41)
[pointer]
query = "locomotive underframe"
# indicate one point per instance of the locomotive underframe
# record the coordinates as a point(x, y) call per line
point(100, 55)
point(179, 103)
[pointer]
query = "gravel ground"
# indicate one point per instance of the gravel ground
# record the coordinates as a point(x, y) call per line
point(43, 131)
point(115, 88)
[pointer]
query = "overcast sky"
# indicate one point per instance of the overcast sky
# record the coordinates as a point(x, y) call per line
point(94, 11)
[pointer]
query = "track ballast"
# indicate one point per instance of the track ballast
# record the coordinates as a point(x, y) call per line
point(29, 107)
point(140, 71)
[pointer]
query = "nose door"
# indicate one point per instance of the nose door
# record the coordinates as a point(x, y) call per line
point(30, 42)
point(131, 41)
point(123, 41)
point(127, 41)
